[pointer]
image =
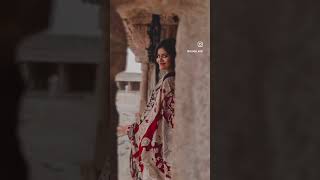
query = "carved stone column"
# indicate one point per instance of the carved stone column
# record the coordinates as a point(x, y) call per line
point(130, 85)
point(144, 86)
point(192, 111)
point(136, 25)
point(62, 79)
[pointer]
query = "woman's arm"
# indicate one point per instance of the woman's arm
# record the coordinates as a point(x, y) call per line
point(122, 130)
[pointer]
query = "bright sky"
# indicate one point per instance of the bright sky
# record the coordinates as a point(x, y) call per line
point(132, 65)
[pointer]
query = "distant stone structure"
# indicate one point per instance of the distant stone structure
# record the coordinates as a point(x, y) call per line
point(128, 81)
point(60, 64)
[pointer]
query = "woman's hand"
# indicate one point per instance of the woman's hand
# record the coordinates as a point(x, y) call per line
point(122, 130)
point(138, 117)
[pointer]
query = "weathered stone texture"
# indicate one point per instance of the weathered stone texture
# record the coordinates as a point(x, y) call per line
point(193, 98)
point(106, 145)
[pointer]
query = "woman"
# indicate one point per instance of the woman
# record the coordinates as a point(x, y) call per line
point(151, 135)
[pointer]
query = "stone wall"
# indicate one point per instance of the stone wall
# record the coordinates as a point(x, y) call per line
point(193, 95)
point(106, 143)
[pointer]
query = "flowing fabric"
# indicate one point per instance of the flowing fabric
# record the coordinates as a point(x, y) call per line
point(151, 137)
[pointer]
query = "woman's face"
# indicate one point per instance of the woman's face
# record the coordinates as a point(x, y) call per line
point(163, 59)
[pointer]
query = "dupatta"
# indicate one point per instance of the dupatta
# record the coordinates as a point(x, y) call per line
point(151, 137)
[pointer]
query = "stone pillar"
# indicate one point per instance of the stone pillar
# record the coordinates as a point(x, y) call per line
point(118, 85)
point(27, 76)
point(106, 141)
point(102, 126)
point(62, 79)
point(144, 86)
point(151, 78)
point(130, 86)
point(58, 82)
point(102, 130)
point(192, 140)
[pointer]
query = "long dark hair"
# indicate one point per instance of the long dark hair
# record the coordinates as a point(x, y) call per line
point(169, 45)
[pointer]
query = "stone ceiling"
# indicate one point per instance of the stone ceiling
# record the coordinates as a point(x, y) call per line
point(136, 23)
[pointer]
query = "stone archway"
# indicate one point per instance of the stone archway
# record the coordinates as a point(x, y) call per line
point(136, 24)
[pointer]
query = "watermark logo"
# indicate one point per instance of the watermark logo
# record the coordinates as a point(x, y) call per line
point(200, 44)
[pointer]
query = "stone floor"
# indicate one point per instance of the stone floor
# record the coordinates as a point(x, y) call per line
point(127, 105)
point(58, 134)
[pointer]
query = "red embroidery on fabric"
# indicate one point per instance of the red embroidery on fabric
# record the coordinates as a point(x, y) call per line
point(168, 112)
point(148, 139)
point(136, 129)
